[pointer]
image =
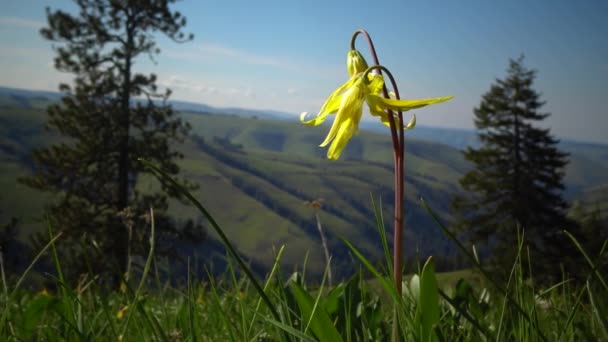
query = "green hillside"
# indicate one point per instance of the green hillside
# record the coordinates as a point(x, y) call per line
point(255, 176)
point(594, 201)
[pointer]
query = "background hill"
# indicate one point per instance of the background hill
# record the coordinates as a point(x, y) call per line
point(255, 174)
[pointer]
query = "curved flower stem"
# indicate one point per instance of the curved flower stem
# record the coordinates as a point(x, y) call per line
point(398, 156)
point(372, 49)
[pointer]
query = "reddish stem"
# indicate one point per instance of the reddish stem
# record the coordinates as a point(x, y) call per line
point(398, 156)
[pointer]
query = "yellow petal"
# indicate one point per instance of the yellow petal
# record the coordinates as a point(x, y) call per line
point(384, 120)
point(376, 111)
point(340, 118)
point(346, 131)
point(122, 311)
point(351, 106)
point(331, 105)
point(404, 105)
point(376, 83)
point(412, 123)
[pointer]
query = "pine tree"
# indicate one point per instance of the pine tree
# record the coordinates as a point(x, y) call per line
point(108, 117)
point(517, 177)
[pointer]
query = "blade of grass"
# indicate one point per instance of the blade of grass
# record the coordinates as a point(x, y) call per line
point(319, 294)
point(190, 301)
point(478, 266)
point(304, 265)
point(288, 329)
point(512, 276)
point(317, 320)
point(561, 283)
point(152, 321)
point(218, 230)
point(20, 280)
point(601, 319)
point(105, 311)
point(572, 313)
point(466, 316)
point(66, 292)
point(382, 231)
point(429, 301)
point(218, 310)
point(588, 259)
point(277, 259)
point(391, 290)
point(4, 284)
point(67, 295)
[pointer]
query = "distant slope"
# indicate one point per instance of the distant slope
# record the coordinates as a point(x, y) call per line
point(463, 138)
point(257, 192)
point(33, 98)
point(255, 175)
point(595, 199)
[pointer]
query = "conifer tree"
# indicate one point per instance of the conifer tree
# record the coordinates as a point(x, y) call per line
point(517, 176)
point(109, 116)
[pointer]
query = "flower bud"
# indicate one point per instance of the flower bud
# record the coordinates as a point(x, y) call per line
point(355, 63)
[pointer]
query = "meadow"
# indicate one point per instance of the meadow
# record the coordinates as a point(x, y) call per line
point(255, 177)
point(238, 306)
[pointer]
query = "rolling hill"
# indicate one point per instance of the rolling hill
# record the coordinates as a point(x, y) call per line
point(255, 175)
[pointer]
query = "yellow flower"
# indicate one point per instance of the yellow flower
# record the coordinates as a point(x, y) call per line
point(121, 313)
point(347, 103)
point(44, 293)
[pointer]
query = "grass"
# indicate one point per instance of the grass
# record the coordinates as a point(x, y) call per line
point(464, 305)
point(455, 306)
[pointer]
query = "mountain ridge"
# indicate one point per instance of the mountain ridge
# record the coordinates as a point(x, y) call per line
point(256, 173)
point(459, 138)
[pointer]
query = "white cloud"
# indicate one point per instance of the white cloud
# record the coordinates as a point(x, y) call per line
point(21, 22)
point(219, 50)
point(243, 56)
point(188, 87)
point(209, 53)
point(292, 91)
point(177, 81)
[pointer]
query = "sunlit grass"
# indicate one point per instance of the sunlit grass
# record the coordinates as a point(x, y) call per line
point(465, 305)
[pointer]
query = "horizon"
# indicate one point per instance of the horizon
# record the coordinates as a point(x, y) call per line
point(449, 49)
point(287, 116)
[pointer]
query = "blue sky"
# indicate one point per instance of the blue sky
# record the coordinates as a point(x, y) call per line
point(289, 55)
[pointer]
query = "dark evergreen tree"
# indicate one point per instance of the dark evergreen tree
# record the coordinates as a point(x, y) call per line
point(110, 116)
point(517, 177)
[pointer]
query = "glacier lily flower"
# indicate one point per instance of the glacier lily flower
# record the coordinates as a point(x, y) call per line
point(347, 103)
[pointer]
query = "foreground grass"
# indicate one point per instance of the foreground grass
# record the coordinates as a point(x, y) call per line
point(455, 306)
point(238, 306)
point(228, 309)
